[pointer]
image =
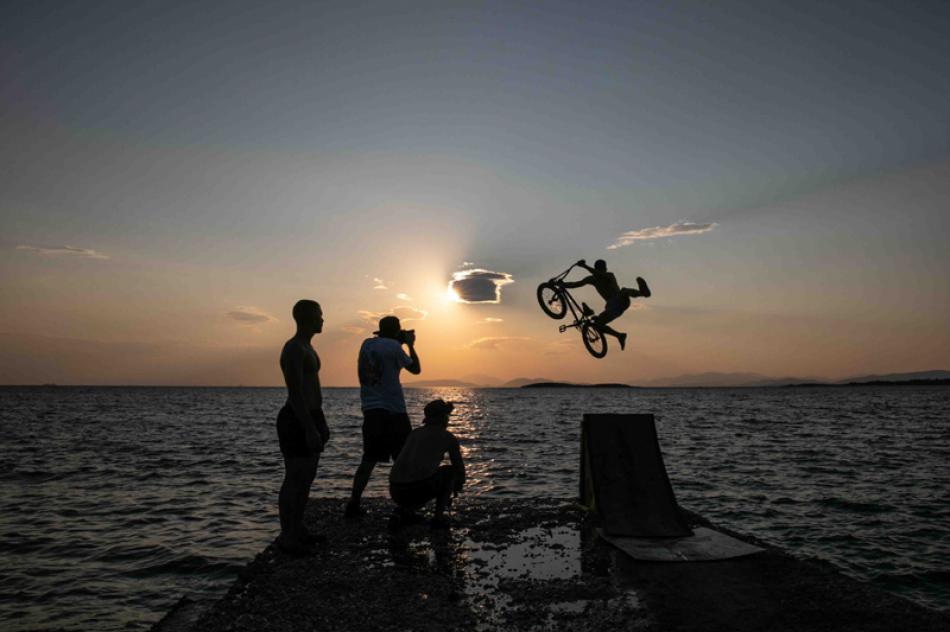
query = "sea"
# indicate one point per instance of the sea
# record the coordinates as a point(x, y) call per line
point(117, 501)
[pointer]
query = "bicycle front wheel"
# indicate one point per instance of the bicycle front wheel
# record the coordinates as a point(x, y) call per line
point(552, 300)
point(594, 340)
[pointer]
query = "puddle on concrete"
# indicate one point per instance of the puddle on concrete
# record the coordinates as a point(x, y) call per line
point(533, 579)
point(536, 553)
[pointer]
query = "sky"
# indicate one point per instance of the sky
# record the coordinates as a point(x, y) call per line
point(174, 176)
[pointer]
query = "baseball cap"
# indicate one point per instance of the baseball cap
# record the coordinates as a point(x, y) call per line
point(437, 408)
point(388, 325)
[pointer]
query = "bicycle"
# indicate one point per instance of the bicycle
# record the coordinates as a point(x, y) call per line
point(555, 300)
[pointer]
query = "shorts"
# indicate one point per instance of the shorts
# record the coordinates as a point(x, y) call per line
point(417, 493)
point(384, 433)
point(290, 433)
point(614, 308)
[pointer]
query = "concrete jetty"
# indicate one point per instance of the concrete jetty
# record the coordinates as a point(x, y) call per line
point(534, 565)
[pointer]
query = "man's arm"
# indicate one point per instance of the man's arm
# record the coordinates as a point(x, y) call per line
point(292, 367)
point(455, 456)
point(413, 367)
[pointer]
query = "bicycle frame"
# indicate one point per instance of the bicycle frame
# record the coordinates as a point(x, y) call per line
point(571, 303)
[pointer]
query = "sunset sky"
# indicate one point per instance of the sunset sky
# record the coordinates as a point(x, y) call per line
point(173, 177)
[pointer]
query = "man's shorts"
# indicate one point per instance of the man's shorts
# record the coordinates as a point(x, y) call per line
point(290, 433)
point(613, 309)
point(384, 433)
point(417, 493)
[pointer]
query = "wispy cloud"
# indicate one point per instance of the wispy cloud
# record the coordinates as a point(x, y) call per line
point(379, 284)
point(250, 316)
point(405, 314)
point(402, 296)
point(478, 285)
point(495, 342)
point(659, 232)
point(65, 251)
point(490, 321)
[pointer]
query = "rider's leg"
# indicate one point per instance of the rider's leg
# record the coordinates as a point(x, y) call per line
point(600, 322)
point(642, 290)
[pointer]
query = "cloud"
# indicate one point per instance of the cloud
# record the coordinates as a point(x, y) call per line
point(405, 314)
point(478, 286)
point(659, 232)
point(65, 251)
point(490, 321)
point(494, 342)
point(402, 296)
point(380, 284)
point(250, 316)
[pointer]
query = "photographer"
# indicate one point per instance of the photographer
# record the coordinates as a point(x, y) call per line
point(385, 422)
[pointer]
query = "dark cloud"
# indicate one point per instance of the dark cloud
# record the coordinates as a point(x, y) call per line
point(479, 286)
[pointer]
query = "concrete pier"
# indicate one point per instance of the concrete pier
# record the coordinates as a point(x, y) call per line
point(530, 565)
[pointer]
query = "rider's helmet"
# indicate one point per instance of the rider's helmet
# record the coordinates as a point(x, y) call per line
point(600, 265)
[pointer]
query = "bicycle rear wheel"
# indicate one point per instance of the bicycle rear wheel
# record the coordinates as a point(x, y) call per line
point(594, 340)
point(552, 300)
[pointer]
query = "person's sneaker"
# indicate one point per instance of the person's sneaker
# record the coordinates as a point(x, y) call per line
point(314, 538)
point(410, 517)
point(395, 523)
point(440, 522)
point(293, 550)
point(623, 341)
point(354, 511)
point(643, 288)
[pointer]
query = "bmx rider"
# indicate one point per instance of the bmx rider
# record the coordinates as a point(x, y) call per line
point(617, 298)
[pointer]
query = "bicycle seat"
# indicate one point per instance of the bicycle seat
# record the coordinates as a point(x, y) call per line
point(586, 309)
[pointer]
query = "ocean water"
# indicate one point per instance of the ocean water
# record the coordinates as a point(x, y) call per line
point(114, 502)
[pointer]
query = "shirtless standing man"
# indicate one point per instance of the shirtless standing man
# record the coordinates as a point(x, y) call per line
point(617, 298)
point(301, 427)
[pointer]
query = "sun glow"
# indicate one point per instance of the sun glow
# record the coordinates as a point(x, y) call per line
point(451, 296)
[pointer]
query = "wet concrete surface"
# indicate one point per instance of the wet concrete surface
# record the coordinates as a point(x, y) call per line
point(530, 565)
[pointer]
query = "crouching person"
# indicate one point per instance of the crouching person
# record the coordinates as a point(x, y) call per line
point(418, 475)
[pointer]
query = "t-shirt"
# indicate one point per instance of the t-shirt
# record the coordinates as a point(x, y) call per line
point(378, 366)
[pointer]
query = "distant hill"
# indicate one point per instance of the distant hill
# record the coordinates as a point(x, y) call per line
point(439, 383)
point(711, 379)
point(898, 377)
point(521, 381)
point(733, 380)
point(570, 385)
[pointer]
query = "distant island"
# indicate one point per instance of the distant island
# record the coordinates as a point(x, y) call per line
point(921, 382)
point(570, 385)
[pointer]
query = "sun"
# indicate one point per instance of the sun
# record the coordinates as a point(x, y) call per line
point(451, 296)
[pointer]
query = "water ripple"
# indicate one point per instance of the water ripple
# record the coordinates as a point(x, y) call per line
point(115, 502)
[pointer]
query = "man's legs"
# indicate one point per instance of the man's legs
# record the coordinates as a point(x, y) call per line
point(446, 485)
point(642, 291)
point(299, 473)
point(601, 320)
point(360, 480)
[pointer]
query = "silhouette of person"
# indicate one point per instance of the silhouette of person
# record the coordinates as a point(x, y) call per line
point(617, 298)
point(301, 427)
point(385, 422)
point(417, 475)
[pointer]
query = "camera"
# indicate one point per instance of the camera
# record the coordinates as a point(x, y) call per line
point(405, 335)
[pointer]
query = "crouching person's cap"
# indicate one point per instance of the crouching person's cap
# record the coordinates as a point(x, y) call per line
point(437, 408)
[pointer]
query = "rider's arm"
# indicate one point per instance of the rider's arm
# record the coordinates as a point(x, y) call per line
point(292, 367)
point(588, 280)
point(583, 264)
